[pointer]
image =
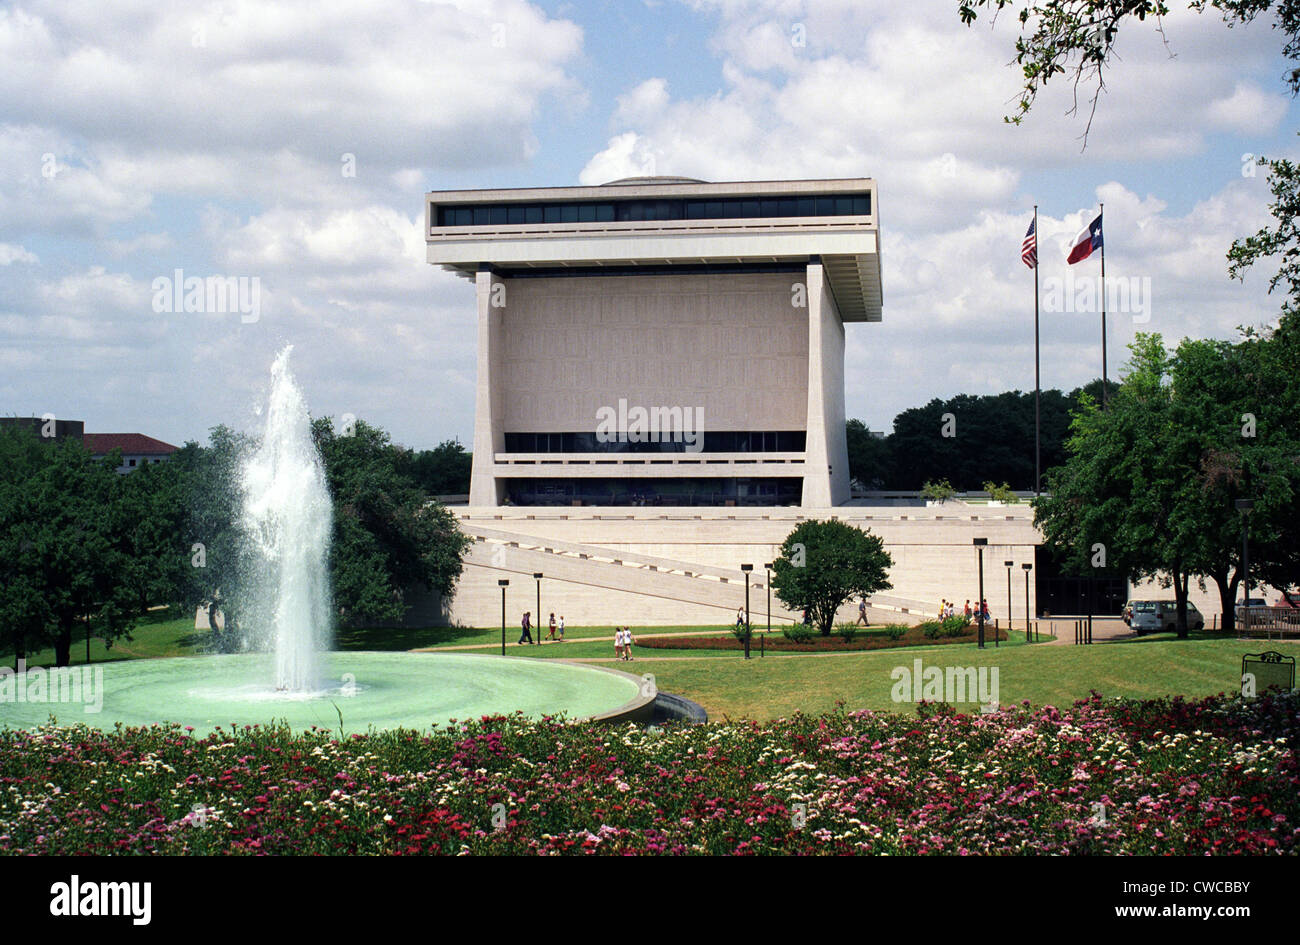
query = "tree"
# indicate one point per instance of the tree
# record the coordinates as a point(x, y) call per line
point(825, 563)
point(969, 439)
point(1153, 481)
point(1121, 502)
point(207, 547)
point(869, 456)
point(389, 536)
point(443, 470)
point(65, 563)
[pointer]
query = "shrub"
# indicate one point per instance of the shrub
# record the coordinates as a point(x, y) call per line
point(895, 631)
point(932, 629)
point(1003, 493)
point(798, 633)
point(955, 625)
point(847, 631)
point(940, 491)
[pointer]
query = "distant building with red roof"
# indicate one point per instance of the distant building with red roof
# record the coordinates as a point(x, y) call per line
point(137, 449)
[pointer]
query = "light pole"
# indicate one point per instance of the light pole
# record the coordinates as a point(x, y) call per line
point(504, 583)
point(1028, 567)
point(1244, 506)
point(1010, 565)
point(747, 568)
point(980, 545)
point(537, 576)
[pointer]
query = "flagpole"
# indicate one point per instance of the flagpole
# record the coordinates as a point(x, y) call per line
point(1104, 381)
point(1038, 475)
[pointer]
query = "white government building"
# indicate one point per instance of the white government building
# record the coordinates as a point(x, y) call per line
point(660, 400)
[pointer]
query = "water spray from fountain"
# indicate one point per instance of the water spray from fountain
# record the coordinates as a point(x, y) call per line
point(287, 517)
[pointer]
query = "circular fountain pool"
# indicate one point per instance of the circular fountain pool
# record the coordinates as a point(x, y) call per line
point(379, 690)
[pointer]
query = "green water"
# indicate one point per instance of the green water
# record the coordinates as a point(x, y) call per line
point(380, 690)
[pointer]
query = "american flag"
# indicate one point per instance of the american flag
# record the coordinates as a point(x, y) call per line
point(1029, 248)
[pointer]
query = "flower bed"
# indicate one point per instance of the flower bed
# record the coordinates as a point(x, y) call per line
point(1171, 777)
point(818, 644)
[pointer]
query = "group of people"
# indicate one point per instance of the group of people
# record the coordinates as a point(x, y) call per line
point(623, 643)
point(527, 625)
point(948, 609)
point(622, 635)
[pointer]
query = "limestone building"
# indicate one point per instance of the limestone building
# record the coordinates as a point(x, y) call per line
point(662, 341)
point(660, 401)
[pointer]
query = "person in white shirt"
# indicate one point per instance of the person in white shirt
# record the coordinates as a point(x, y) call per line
point(561, 628)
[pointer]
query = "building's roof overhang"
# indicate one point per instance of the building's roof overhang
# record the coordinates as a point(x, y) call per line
point(848, 246)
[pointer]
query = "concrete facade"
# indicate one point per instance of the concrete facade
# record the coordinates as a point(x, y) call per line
point(735, 323)
point(662, 567)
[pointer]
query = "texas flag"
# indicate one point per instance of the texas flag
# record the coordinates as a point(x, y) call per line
point(1087, 242)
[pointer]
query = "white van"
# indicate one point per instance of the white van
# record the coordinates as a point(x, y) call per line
point(1153, 616)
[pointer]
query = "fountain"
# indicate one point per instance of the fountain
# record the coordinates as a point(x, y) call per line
point(286, 518)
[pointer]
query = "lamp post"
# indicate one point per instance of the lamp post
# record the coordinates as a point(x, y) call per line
point(980, 545)
point(1010, 621)
point(1244, 506)
point(537, 576)
point(747, 568)
point(1028, 567)
point(504, 583)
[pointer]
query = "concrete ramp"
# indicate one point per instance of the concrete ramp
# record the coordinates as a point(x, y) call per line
point(671, 579)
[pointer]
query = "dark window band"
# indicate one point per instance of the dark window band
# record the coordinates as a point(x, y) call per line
point(719, 441)
point(620, 211)
point(666, 492)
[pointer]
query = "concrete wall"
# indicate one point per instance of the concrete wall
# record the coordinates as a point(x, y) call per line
point(932, 550)
point(731, 344)
point(826, 476)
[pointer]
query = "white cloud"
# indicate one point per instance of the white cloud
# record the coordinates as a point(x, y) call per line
point(11, 253)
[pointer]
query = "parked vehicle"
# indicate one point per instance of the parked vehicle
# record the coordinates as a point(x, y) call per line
point(1155, 616)
point(1252, 609)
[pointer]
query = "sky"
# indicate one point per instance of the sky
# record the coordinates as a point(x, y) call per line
point(289, 147)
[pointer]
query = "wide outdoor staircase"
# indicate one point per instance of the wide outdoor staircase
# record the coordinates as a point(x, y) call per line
point(666, 578)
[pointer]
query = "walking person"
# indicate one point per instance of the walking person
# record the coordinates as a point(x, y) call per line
point(551, 635)
point(862, 613)
point(618, 643)
point(561, 628)
point(740, 617)
point(627, 643)
point(526, 625)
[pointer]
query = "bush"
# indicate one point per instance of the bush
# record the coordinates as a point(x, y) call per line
point(940, 491)
point(798, 633)
point(847, 631)
point(1003, 493)
point(895, 631)
point(932, 629)
point(955, 625)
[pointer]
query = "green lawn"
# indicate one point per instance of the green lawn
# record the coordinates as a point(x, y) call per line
point(1052, 675)
point(158, 634)
point(781, 684)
